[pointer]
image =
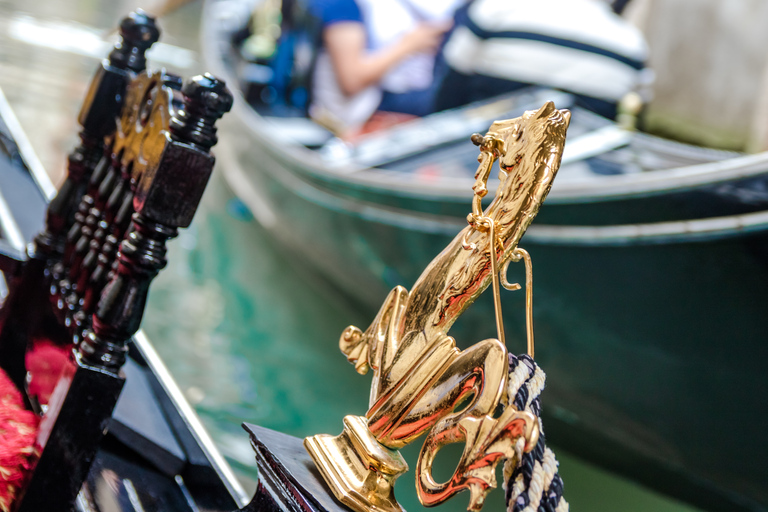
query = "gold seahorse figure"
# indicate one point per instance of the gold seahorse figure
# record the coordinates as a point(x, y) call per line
point(419, 375)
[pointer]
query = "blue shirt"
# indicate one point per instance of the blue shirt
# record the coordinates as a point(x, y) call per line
point(335, 11)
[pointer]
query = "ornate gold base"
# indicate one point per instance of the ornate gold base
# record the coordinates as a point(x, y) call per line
point(360, 471)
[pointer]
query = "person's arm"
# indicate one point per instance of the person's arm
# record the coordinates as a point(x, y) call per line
point(356, 68)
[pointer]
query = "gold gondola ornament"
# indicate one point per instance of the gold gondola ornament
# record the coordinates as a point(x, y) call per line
point(420, 377)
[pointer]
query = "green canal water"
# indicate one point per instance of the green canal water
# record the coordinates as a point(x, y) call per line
point(251, 335)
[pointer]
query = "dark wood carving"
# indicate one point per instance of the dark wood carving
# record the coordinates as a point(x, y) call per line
point(137, 176)
point(102, 104)
point(28, 317)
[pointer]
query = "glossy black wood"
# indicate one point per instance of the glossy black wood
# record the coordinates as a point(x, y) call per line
point(288, 478)
point(166, 198)
point(74, 430)
point(139, 421)
point(102, 104)
point(152, 447)
point(83, 282)
point(26, 316)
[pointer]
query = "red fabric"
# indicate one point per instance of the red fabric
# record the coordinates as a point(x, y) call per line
point(18, 430)
point(45, 363)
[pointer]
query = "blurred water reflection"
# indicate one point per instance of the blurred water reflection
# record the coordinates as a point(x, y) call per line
point(249, 333)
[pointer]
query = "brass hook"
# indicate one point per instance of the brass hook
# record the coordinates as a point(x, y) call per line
point(490, 148)
point(495, 280)
point(516, 255)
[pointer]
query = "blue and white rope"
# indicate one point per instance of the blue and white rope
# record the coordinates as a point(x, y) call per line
point(533, 484)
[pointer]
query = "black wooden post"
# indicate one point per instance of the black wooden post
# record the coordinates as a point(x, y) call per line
point(115, 219)
point(97, 117)
point(165, 200)
point(101, 107)
point(27, 307)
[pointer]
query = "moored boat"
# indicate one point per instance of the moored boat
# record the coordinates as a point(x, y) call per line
point(648, 255)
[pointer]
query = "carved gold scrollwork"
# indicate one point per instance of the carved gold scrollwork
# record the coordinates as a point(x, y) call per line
point(487, 442)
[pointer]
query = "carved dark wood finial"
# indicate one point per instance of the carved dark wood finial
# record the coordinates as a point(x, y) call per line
point(206, 99)
point(126, 171)
point(166, 199)
point(102, 105)
point(138, 31)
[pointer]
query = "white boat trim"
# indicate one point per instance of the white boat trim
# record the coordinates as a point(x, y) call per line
point(9, 226)
point(684, 231)
point(661, 181)
point(595, 143)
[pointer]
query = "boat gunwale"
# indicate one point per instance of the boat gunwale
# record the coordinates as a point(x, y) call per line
point(191, 419)
point(654, 233)
point(8, 224)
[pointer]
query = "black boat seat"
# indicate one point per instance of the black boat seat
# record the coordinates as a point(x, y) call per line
point(78, 295)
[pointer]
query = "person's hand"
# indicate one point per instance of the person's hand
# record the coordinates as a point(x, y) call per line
point(425, 38)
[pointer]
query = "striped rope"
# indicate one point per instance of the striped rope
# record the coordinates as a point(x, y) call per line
point(532, 485)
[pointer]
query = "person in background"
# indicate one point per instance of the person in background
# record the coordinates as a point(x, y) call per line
point(376, 55)
point(580, 46)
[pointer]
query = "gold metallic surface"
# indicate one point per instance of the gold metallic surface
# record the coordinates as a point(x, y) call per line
point(366, 479)
point(488, 441)
point(420, 377)
point(495, 281)
point(516, 255)
point(144, 130)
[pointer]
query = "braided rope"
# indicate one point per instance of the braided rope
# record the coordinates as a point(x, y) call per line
point(532, 485)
